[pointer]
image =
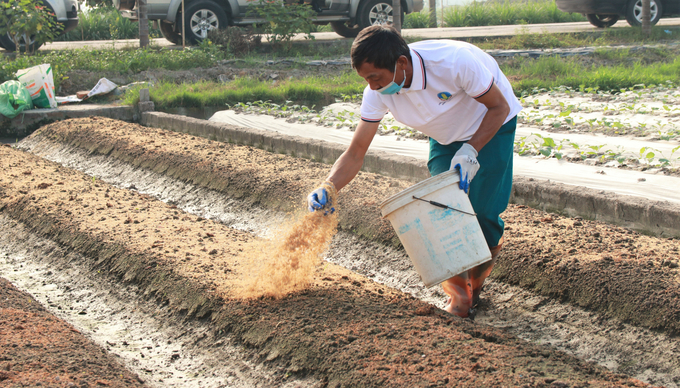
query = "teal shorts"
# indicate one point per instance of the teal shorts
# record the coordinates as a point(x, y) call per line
point(490, 189)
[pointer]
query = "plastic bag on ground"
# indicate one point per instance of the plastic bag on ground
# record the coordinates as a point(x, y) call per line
point(40, 84)
point(104, 86)
point(14, 98)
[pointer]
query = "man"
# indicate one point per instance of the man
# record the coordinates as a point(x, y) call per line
point(456, 94)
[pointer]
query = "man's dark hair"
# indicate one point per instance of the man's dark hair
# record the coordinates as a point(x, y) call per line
point(380, 46)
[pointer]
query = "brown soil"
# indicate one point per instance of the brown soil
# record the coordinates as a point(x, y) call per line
point(586, 263)
point(36, 348)
point(344, 328)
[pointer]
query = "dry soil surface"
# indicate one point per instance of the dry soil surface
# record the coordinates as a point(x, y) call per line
point(344, 328)
point(38, 349)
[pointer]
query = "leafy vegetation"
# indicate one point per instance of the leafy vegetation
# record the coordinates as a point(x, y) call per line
point(26, 20)
point(507, 13)
point(307, 90)
point(283, 20)
point(529, 76)
point(105, 23)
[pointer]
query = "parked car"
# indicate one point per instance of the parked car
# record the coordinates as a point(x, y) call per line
point(66, 14)
point(605, 13)
point(346, 17)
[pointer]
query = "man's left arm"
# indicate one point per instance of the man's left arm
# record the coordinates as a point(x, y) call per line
point(498, 110)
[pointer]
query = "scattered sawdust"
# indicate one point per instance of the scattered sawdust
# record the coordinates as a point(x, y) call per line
point(287, 262)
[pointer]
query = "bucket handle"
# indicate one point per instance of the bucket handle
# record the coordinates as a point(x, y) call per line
point(443, 206)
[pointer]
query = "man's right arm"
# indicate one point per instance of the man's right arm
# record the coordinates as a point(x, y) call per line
point(349, 163)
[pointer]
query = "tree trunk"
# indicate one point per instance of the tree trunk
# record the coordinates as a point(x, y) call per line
point(396, 15)
point(646, 16)
point(143, 24)
point(433, 13)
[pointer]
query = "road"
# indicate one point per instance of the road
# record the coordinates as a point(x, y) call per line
point(428, 33)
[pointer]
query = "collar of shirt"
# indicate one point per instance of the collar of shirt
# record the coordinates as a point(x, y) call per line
point(419, 81)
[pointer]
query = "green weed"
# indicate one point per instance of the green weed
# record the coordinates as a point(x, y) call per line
point(325, 90)
point(105, 24)
point(507, 12)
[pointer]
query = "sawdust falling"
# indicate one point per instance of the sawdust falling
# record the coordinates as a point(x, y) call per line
point(287, 263)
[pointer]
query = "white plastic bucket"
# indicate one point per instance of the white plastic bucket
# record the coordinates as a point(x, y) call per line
point(441, 242)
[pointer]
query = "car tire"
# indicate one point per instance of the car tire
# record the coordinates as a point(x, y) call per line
point(168, 32)
point(201, 17)
point(602, 21)
point(345, 30)
point(634, 12)
point(9, 45)
point(375, 12)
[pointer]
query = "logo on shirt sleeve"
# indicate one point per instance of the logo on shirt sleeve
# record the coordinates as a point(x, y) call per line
point(443, 97)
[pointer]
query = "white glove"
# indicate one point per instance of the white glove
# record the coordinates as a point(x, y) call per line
point(465, 161)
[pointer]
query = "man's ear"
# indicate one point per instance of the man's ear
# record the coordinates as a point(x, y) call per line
point(403, 61)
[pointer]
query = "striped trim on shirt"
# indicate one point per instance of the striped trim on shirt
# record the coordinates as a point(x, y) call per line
point(487, 89)
point(422, 66)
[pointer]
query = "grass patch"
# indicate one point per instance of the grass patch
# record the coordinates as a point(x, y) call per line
point(531, 76)
point(527, 76)
point(607, 37)
point(506, 13)
point(307, 90)
point(105, 24)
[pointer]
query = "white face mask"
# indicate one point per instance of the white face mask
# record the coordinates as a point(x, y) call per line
point(392, 87)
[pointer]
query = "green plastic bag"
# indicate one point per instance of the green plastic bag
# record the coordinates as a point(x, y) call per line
point(14, 98)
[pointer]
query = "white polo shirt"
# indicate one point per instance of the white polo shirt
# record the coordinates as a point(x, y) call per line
point(447, 77)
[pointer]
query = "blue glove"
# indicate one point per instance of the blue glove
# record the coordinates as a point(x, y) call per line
point(320, 200)
point(465, 161)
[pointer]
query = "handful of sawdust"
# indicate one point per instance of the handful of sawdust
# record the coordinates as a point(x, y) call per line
point(287, 263)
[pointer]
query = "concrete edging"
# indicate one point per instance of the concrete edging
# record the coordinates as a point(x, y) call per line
point(658, 218)
point(28, 121)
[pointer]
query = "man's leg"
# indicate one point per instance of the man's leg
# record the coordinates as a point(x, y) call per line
point(460, 294)
point(489, 196)
point(478, 274)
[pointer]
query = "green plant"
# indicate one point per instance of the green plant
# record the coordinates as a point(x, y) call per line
point(283, 20)
point(237, 41)
point(490, 13)
point(28, 23)
point(104, 23)
point(417, 19)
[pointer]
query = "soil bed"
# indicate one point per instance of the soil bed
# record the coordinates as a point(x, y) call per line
point(593, 265)
point(39, 349)
point(622, 348)
point(344, 328)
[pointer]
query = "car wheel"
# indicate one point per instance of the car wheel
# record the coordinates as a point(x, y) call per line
point(346, 30)
point(375, 12)
point(26, 43)
point(168, 32)
point(634, 12)
point(201, 17)
point(602, 21)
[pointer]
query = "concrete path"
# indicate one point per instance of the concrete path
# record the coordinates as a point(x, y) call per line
point(427, 33)
point(626, 182)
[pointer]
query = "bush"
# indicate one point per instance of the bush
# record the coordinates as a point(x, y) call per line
point(235, 40)
point(507, 13)
point(26, 20)
point(284, 20)
point(417, 19)
point(106, 24)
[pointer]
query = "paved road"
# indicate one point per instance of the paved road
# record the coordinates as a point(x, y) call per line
point(448, 32)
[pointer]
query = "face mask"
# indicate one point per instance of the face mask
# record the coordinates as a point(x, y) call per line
point(393, 88)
